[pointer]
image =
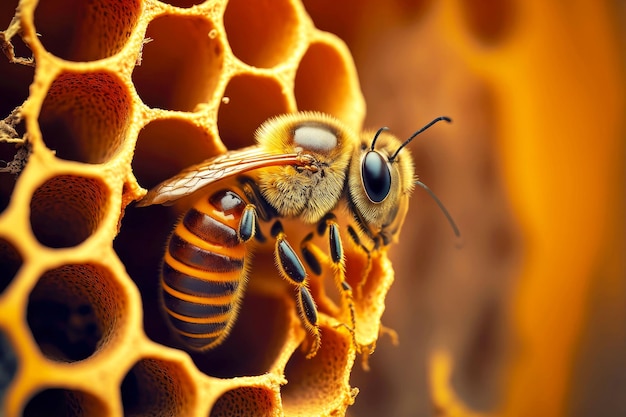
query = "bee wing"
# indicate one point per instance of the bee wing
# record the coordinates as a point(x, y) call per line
point(217, 168)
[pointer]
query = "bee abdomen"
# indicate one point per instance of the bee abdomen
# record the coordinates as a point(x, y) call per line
point(201, 278)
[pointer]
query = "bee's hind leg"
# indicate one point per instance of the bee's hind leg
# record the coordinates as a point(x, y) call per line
point(292, 270)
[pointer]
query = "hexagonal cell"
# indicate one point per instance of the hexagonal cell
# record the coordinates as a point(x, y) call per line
point(323, 82)
point(156, 387)
point(245, 401)
point(183, 3)
point(252, 99)
point(182, 64)
point(84, 116)
point(319, 386)
point(75, 310)
point(13, 159)
point(66, 210)
point(10, 263)
point(167, 146)
point(15, 79)
point(79, 30)
point(8, 365)
point(66, 402)
point(261, 33)
point(255, 342)
point(140, 245)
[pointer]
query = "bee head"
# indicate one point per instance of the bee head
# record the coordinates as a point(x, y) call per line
point(382, 177)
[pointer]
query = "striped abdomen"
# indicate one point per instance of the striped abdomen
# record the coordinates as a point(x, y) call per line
point(203, 276)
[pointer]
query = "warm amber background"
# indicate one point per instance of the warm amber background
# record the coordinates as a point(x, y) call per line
point(531, 309)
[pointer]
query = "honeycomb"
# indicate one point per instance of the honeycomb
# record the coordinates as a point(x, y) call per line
point(124, 94)
point(525, 319)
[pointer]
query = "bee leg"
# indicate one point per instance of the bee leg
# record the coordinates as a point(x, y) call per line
point(314, 257)
point(292, 270)
point(339, 274)
point(357, 242)
point(247, 224)
point(308, 311)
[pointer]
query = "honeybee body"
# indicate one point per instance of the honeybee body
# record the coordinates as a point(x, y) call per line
point(309, 172)
point(203, 266)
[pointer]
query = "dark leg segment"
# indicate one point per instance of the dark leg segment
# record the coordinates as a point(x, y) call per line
point(339, 272)
point(292, 270)
point(247, 224)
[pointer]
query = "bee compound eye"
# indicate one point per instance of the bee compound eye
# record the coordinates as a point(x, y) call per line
point(376, 176)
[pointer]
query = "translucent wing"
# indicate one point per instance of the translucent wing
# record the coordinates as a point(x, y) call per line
point(223, 166)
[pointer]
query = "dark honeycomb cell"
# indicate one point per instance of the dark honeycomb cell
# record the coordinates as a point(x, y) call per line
point(7, 179)
point(323, 82)
point(15, 79)
point(75, 310)
point(181, 65)
point(155, 387)
point(245, 401)
point(59, 402)
point(10, 263)
point(185, 4)
point(84, 116)
point(255, 342)
point(79, 30)
point(261, 33)
point(67, 209)
point(256, 97)
point(8, 364)
point(167, 146)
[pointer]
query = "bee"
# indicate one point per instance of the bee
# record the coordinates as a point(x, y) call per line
point(295, 185)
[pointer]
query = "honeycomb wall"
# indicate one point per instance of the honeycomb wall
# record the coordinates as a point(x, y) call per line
point(118, 97)
point(526, 319)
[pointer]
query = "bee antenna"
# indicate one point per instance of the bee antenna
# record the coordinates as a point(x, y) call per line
point(457, 233)
point(406, 142)
point(376, 136)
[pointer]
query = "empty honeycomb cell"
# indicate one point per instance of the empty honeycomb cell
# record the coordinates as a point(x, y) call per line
point(261, 33)
point(75, 310)
point(79, 30)
point(167, 146)
point(252, 99)
point(489, 21)
point(181, 65)
point(8, 364)
point(245, 401)
point(319, 386)
point(10, 263)
point(13, 158)
point(60, 402)
point(323, 82)
point(182, 3)
point(15, 78)
point(255, 343)
point(85, 116)
point(156, 387)
point(66, 210)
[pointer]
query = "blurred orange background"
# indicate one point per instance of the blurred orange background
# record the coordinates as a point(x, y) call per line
point(527, 317)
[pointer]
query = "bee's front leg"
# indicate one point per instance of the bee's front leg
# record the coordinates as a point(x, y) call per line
point(335, 260)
